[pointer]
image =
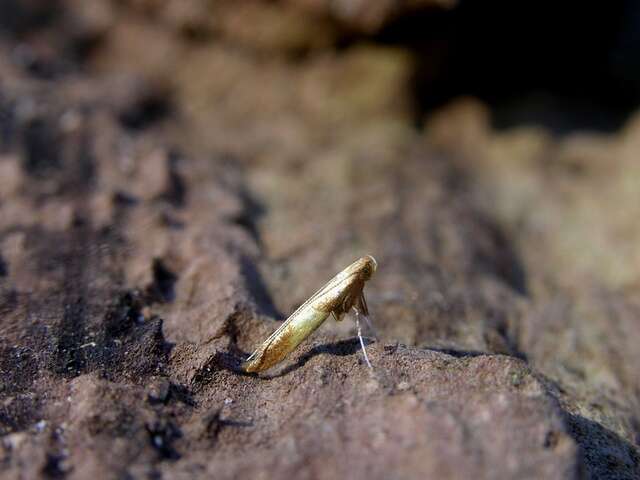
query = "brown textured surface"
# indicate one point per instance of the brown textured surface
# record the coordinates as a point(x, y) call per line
point(177, 176)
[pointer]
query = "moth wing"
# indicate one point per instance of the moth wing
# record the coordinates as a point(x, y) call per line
point(333, 283)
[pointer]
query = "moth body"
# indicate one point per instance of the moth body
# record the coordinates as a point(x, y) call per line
point(342, 293)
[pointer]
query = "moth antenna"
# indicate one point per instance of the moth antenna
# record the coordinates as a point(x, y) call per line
point(364, 350)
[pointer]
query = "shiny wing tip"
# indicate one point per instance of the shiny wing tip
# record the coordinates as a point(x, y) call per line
point(248, 367)
point(251, 364)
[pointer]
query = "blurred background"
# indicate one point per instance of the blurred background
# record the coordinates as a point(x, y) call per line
point(487, 153)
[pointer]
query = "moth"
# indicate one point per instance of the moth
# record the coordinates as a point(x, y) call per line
point(342, 293)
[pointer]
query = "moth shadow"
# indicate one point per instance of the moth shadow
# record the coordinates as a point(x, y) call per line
point(475, 353)
point(342, 348)
point(231, 361)
point(458, 353)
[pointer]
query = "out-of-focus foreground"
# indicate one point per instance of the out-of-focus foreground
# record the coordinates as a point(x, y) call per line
point(177, 175)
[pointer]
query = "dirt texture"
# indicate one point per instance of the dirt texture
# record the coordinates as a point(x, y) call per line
point(177, 176)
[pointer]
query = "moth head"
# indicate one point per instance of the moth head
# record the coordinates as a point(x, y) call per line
point(369, 267)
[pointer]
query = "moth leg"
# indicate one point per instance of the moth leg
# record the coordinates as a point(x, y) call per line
point(360, 308)
point(361, 304)
point(364, 350)
point(337, 316)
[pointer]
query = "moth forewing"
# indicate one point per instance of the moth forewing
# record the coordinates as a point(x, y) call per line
point(336, 297)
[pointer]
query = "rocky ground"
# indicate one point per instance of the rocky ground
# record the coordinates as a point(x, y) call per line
point(178, 176)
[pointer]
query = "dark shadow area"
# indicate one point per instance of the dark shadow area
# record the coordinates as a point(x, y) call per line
point(342, 348)
point(42, 147)
point(458, 353)
point(606, 455)
point(180, 393)
point(8, 124)
point(124, 314)
point(4, 269)
point(214, 423)
point(54, 466)
point(474, 353)
point(257, 288)
point(18, 16)
point(147, 110)
point(230, 361)
point(171, 393)
point(176, 190)
point(635, 423)
point(494, 252)
point(563, 65)
point(252, 208)
point(251, 212)
point(162, 289)
point(509, 338)
point(162, 435)
point(233, 360)
point(122, 200)
point(19, 413)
